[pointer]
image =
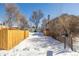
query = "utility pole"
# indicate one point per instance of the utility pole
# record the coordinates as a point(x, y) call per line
point(48, 17)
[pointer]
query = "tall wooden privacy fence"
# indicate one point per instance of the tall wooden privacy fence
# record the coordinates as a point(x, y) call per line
point(11, 37)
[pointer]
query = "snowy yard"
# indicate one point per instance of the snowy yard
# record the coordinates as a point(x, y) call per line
point(38, 45)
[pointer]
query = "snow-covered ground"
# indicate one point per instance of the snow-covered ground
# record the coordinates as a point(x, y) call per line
point(39, 45)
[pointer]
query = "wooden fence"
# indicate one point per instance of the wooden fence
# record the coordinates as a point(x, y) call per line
point(11, 37)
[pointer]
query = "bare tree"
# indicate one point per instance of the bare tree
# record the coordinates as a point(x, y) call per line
point(45, 22)
point(23, 22)
point(13, 14)
point(11, 10)
point(36, 16)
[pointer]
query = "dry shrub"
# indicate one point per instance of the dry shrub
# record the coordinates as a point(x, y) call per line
point(65, 22)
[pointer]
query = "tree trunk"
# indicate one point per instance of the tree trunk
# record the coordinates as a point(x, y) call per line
point(71, 42)
point(36, 28)
point(65, 41)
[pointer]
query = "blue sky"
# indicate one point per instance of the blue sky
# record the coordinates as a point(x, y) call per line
point(27, 9)
point(54, 9)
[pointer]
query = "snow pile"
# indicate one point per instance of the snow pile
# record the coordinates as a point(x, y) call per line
point(38, 45)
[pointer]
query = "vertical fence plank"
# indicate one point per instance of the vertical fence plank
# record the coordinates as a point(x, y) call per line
point(11, 37)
